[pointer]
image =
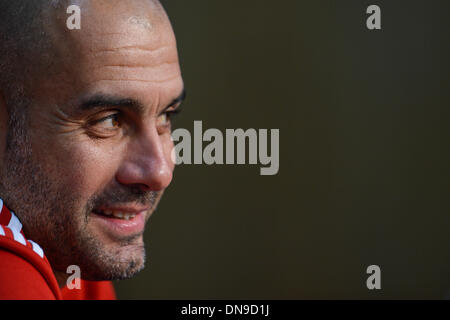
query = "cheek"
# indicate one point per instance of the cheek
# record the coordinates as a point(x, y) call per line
point(84, 168)
point(94, 168)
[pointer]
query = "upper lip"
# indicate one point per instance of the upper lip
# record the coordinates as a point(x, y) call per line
point(131, 209)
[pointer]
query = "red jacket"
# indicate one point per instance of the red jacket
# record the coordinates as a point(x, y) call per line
point(26, 274)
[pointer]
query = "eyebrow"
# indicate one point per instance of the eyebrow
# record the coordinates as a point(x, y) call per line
point(99, 101)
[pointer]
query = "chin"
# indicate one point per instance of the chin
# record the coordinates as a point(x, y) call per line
point(125, 263)
point(104, 258)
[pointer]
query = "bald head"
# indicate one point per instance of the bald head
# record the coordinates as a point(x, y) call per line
point(36, 42)
point(96, 135)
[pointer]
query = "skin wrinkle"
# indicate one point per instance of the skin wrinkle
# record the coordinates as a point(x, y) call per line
point(138, 66)
point(148, 54)
point(168, 63)
point(138, 80)
point(137, 48)
point(67, 124)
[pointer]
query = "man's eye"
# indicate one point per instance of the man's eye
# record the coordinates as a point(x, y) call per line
point(164, 120)
point(110, 122)
point(103, 127)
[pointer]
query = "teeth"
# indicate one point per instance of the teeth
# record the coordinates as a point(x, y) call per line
point(118, 214)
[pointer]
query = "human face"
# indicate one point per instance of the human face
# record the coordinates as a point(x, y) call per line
point(99, 133)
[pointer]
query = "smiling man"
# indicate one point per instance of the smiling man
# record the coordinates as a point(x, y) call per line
point(85, 141)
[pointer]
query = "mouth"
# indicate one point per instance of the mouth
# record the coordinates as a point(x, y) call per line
point(116, 214)
point(120, 222)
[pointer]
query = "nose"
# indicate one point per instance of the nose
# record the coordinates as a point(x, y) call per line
point(145, 165)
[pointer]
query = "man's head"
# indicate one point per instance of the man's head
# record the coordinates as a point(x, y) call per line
point(85, 140)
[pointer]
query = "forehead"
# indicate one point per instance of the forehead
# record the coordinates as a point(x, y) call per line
point(123, 46)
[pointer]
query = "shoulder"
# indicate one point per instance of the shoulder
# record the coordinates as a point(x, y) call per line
point(24, 271)
point(20, 279)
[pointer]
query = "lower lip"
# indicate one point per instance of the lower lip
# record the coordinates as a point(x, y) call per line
point(121, 227)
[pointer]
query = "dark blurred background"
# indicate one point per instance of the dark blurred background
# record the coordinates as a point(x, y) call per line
point(364, 154)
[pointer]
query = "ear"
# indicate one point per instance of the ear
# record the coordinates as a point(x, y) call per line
point(4, 116)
